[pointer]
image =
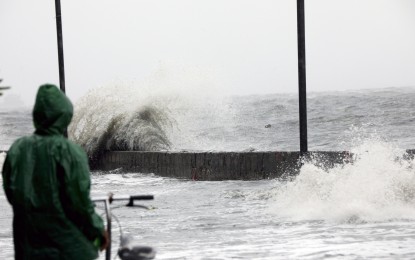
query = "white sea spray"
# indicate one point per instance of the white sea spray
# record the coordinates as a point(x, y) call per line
point(125, 121)
point(378, 185)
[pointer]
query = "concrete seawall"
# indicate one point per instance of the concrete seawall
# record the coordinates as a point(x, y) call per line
point(215, 165)
point(218, 165)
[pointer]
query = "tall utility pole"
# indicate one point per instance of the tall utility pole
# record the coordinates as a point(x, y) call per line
point(302, 91)
point(60, 50)
point(60, 45)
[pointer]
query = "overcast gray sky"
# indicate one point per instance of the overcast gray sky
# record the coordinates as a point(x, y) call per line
point(240, 46)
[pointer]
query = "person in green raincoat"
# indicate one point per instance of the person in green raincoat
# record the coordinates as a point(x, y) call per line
point(46, 179)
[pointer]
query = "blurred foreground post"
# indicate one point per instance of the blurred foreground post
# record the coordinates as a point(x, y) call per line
point(302, 91)
point(60, 45)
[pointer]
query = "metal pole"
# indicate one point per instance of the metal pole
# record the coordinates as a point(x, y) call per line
point(302, 91)
point(60, 45)
point(108, 213)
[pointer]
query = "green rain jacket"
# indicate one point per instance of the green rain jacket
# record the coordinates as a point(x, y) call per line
point(47, 181)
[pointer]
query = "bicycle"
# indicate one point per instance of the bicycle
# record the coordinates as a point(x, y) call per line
point(126, 250)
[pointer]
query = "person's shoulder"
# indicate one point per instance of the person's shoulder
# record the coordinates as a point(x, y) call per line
point(69, 147)
point(76, 148)
point(21, 143)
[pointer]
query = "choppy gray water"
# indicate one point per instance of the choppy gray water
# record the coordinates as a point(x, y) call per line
point(356, 211)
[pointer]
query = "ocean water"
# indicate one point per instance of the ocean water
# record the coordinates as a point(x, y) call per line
point(364, 210)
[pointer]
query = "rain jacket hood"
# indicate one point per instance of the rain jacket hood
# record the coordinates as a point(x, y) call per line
point(46, 179)
point(53, 111)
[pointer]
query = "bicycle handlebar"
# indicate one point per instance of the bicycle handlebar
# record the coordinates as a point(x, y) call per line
point(142, 197)
point(107, 201)
point(130, 198)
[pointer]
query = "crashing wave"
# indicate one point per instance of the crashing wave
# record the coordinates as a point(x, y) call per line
point(379, 185)
point(106, 122)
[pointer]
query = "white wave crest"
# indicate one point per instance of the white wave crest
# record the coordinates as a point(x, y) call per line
point(124, 120)
point(379, 185)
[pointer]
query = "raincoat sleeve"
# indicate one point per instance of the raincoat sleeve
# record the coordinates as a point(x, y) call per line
point(75, 184)
point(6, 173)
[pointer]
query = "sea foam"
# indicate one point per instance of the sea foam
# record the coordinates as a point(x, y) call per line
point(378, 185)
point(125, 121)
